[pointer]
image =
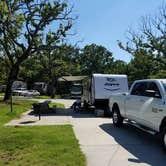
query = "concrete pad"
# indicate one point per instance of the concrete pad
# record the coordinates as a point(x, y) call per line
point(99, 155)
point(62, 117)
point(101, 142)
point(88, 131)
point(28, 119)
point(107, 145)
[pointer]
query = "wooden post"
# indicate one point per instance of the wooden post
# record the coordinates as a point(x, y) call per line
point(11, 102)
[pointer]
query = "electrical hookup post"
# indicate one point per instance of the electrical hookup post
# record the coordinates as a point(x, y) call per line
point(11, 102)
point(39, 114)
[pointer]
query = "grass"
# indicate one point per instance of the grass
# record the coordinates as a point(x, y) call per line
point(42, 97)
point(47, 97)
point(18, 108)
point(36, 145)
point(58, 105)
point(1, 94)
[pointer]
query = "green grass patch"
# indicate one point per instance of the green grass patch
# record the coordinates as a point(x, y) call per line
point(36, 145)
point(1, 94)
point(40, 146)
point(19, 106)
point(58, 105)
point(41, 97)
point(46, 97)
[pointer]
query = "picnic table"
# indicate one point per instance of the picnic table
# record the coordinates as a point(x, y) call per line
point(43, 107)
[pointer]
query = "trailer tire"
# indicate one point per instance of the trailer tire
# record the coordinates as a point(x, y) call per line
point(116, 117)
point(85, 106)
point(107, 111)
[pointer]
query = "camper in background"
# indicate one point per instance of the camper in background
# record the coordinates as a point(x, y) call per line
point(41, 87)
point(98, 88)
point(76, 90)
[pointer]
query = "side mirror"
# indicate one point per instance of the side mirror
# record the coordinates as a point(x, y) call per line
point(157, 95)
point(152, 93)
point(125, 94)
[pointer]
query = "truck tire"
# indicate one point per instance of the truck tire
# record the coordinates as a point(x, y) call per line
point(164, 139)
point(116, 117)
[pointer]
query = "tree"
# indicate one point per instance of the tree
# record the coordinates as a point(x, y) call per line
point(31, 71)
point(119, 67)
point(3, 70)
point(141, 66)
point(160, 74)
point(22, 30)
point(57, 63)
point(95, 59)
point(147, 45)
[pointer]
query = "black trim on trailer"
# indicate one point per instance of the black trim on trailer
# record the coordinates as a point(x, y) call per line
point(103, 104)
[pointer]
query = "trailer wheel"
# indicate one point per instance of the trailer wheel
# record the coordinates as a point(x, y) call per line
point(85, 106)
point(107, 111)
point(116, 117)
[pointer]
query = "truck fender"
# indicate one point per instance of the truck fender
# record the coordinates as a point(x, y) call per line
point(163, 124)
point(115, 105)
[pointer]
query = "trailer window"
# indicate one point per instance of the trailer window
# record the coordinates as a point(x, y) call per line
point(76, 88)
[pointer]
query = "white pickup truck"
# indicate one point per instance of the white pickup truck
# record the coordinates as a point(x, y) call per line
point(144, 106)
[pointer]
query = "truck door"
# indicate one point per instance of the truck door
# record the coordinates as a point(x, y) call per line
point(151, 108)
point(135, 101)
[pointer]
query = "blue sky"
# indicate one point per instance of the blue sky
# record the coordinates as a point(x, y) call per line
point(105, 21)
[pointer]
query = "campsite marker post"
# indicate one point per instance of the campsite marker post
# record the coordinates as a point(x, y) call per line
point(11, 101)
point(39, 114)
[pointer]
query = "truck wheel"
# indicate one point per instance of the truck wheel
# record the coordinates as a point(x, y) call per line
point(117, 118)
point(164, 139)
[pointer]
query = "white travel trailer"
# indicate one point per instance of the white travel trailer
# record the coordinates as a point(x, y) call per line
point(98, 88)
point(41, 87)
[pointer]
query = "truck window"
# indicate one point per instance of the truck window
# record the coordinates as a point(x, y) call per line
point(139, 89)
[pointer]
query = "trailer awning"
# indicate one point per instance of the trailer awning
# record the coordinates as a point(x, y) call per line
point(72, 78)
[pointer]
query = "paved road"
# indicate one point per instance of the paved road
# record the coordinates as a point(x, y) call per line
point(102, 143)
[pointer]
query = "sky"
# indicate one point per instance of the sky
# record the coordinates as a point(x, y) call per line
point(103, 22)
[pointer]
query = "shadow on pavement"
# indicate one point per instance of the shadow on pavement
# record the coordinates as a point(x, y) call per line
point(28, 122)
point(145, 147)
point(66, 112)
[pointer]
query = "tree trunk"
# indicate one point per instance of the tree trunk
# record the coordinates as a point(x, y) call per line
point(52, 87)
point(51, 90)
point(11, 78)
